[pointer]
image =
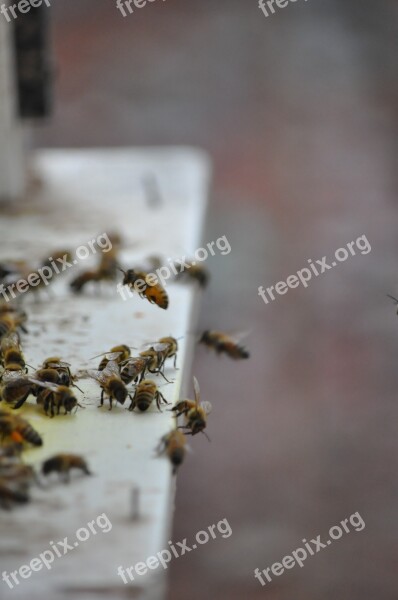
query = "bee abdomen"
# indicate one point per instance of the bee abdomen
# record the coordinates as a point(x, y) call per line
point(30, 435)
point(143, 401)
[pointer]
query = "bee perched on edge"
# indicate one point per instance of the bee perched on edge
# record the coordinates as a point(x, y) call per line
point(224, 343)
point(194, 411)
point(63, 463)
point(146, 287)
point(111, 383)
point(173, 444)
point(145, 393)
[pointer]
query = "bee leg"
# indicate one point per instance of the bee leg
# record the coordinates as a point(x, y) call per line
point(175, 361)
point(21, 401)
point(158, 400)
point(132, 405)
point(110, 402)
point(102, 397)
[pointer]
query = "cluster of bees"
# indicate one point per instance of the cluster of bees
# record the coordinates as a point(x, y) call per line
point(54, 386)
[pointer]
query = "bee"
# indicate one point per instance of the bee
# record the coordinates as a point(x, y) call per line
point(15, 387)
point(155, 355)
point(10, 322)
point(19, 429)
point(11, 352)
point(10, 451)
point(111, 383)
point(195, 412)
point(24, 475)
point(173, 444)
point(224, 343)
point(11, 494)
point(54, 397)
point(196, 272)
point(145, 393)
point(171, 348)
point(106, 271)
point(155, 294)
point(118, 354)
point(133, 369)
point(65, 376)
point(79, 283)
point(63, 463)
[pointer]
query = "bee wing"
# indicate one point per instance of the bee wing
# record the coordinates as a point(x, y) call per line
point(207, 407)
point(108, 355)
point(55, 365)
point(44, 384)
point(99, 376)
point(111, 368)
point(10, 341)
point(239, 336)
point(10, 375)
point(196, 389)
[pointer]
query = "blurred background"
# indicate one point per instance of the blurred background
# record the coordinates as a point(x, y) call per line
point(299, 113)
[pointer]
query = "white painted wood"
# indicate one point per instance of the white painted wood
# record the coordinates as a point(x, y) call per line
point(86, 193)
point(12, 159)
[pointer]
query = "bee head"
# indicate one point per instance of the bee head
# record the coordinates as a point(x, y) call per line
point(198, 425)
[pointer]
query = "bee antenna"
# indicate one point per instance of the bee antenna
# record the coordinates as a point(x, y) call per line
point(204, 433)
point(392, 298)
point(122, 271)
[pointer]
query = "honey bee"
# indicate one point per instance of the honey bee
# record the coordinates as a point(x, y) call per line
point(111, 383)
point(11, 321)
point(133, 369)
point(171, 348)
point(196, 272)
point(18, 428)
point(155, 355)
point(155, 294)
point(145, 393)
point(11, 353)
point(53, 397)
point(63, 463)
point(24, 475)
point(224, 343)
point(12, 494)
point(65, 376)
point(10, 451)
point(195, 412)
point(106, 271)
point(173, 444)
point(15, 387)
point(118, 354)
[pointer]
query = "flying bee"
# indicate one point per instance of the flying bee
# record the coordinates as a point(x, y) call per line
point(195, 272)
point(156, 357)
point(195, 412)
point(111, 383)
point(53, 397)
point(11, 352)
point(63, 463)
point(12, 494)
point(224, 343)
point(146, 392)
point(137, 281)
point(18, 428)
point(118, 354)
point(15, 388)
point(133, 369)
point(173, 444)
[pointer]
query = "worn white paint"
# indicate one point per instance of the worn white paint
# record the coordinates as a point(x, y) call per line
point(85, 193)
point(12, 159)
